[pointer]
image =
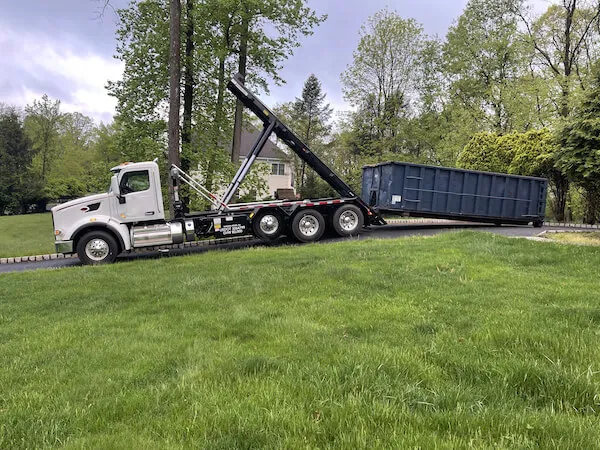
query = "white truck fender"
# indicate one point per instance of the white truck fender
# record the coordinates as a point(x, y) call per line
point(119, 229)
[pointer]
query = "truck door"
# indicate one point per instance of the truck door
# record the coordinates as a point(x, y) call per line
point(138, 197)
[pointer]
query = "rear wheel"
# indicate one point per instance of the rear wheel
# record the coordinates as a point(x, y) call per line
point(308, 225)
point(348, 220)
point(97, 247)
point(538, 223)
point(267, 225)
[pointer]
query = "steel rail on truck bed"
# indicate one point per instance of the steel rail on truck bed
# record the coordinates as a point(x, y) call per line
point(272, 124)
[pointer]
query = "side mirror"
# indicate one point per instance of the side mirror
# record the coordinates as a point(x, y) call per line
point(114, 188)
point(114, 185)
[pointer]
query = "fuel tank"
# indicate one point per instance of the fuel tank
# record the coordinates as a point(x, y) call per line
point(158, 234)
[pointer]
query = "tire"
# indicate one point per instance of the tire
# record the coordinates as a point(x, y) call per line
point(308, 225)
point(348, 220)
point(97, 247)
point(267, 225)
point(538, 223)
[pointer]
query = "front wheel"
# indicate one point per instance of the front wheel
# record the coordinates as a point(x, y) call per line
point(308, 225)
point(97, 247)
point(348, 220)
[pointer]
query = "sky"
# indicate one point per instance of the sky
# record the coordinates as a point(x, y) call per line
point(65, 48)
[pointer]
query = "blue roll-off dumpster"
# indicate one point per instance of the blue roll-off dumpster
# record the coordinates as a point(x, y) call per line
point(441, 192)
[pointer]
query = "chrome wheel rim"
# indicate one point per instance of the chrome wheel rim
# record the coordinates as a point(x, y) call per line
point(348, 220)
point(269, 224)
point(97, 249)
point(309, 225)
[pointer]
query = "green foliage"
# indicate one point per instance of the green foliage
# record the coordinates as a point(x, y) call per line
point(565, 38)
point(15, 157)
point(310, 116)
point(59, 156)
point(375, 76)
point(533, 152)
point(464, 340)
point(579, 156)
point(311, 113)
point(42, 123)
point(255, 186)
point(497, 70)
point(485, 60)
point(385, 79)
point(143, 44)
point(483, 152)
point(107, 154)
point(221, 33)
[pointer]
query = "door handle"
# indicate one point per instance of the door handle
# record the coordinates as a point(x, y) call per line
point(149, 213)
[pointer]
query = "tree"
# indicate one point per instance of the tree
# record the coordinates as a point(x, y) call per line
point(106, 154)
point(384, 77)
point(15, 157)
point(42, 125)
point(219, 35)
point(290, 19)
point(483, 153)
point(174, 94)
point(143, 45)
point(486, 62)
point(311, 121)
point(565, 40)
point(68, 176)
point(579, 156)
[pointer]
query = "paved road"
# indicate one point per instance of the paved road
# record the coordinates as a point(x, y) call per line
point(385, 232)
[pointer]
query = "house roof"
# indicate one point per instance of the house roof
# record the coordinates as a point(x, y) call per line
point(250, 135)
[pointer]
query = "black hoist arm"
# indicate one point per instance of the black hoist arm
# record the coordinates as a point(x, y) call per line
point(272, 124)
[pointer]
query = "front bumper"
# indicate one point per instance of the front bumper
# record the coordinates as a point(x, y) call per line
point(64, 246)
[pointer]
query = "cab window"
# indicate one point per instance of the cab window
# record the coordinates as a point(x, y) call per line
point(135, 182)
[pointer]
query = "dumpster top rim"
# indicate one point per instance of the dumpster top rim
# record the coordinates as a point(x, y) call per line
point(400, 163)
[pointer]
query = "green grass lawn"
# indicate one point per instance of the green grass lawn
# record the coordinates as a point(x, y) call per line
point(463, 340)
point(29, 234)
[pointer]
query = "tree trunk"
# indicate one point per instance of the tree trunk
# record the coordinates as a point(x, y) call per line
point(45, 151)
point(560, 185)
point(188, 88)
point(303, 174)
point(592, 205)
point(188, 99)
point(174, 92)
point(239, 107)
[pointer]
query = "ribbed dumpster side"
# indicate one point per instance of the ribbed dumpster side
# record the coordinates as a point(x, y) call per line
point(442, 192)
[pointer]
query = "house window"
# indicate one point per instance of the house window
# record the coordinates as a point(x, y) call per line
point(277, 169)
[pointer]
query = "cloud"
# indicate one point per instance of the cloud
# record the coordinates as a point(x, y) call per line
point(34, 64)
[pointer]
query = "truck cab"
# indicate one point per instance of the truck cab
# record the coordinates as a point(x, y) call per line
point(100, 226)
point(136, 189)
